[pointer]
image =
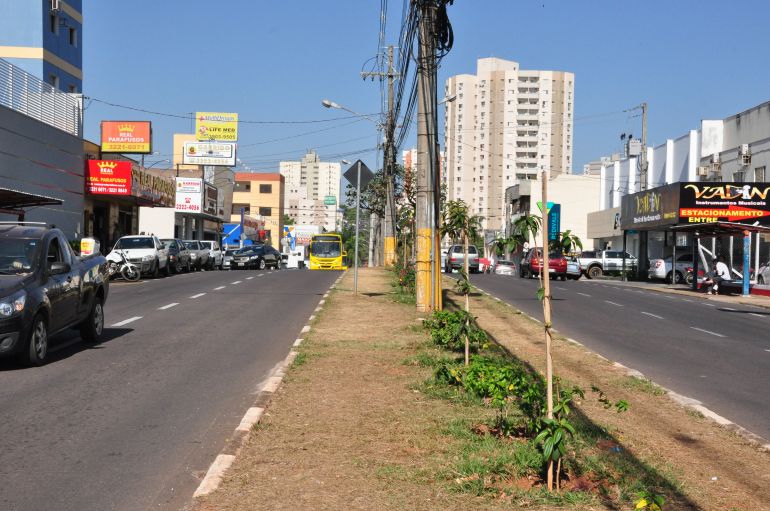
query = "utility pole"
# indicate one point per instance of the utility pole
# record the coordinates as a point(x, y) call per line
point(426, 70)
point(643, 170)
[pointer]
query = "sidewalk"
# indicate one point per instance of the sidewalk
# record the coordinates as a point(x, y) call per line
point(353, 425)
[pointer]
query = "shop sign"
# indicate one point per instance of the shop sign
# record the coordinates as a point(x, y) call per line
point(133, 137)
point(155, 189)
point(210, 199)
point(330, 200)
point(189, 193)
point(554, 221)
point(658, 207)
point(104, 177)
point(209, 153)
point(216, 126)
point(724, 202)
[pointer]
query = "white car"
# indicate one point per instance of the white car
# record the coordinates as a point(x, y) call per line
point(503, 267)
point(146, 252)
point(763, 276)
point(215, 254)
point(661, 268)
point(573, 268)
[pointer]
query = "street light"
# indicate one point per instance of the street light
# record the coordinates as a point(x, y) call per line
point(327, 103)
point(155, 163)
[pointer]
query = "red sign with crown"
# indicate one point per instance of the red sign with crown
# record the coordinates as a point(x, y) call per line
point(105, 177)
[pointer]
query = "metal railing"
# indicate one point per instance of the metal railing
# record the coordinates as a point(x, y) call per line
point(34, 98)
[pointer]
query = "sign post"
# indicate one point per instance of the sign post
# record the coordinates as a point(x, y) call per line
point(365, 175)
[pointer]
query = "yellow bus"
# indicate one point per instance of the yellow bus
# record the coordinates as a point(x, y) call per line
point(326, 252)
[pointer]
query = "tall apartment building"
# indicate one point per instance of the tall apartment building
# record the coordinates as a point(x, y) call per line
point(311, 194)
point(505, 124)
point(45, 38)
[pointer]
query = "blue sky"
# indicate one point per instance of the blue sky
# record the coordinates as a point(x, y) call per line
point(275, 61)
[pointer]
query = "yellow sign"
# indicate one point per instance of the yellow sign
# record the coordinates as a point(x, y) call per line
point(217, 126)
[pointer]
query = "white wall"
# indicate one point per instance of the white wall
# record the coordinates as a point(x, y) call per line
point(157, 221)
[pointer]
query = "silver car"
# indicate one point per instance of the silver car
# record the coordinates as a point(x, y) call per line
point(455, 259)
point(503, 267)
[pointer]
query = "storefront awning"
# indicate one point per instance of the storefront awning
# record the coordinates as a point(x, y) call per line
point(708, 230)
point(14, 202)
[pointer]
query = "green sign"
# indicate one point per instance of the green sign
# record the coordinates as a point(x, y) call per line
point(330, 200)
point(540, 205)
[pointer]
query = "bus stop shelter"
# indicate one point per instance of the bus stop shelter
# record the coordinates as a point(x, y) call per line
point(714, 229)
point(15, 202)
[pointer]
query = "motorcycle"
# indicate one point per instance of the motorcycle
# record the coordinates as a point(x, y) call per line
point(688, 277)
point(118, 264)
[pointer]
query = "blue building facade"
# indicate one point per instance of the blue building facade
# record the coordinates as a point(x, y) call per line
point(45, 38)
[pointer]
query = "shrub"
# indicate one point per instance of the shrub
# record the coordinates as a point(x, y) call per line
point(449, 329)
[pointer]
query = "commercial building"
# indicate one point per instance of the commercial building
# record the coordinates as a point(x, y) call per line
point(502, 125)
point(722, 162)
point(311, 193)
point(45, 38)
point(261, 196)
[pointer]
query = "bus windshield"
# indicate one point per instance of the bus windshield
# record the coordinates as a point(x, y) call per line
point(325, 249)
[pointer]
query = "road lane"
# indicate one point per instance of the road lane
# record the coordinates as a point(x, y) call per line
point(728, 374)
point(134, 422)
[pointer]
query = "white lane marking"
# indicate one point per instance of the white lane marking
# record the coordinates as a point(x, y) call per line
point(236, 282)
point(653, 315)
point(686, 300)
point(167, 306)
point(708, 304)
point(249, 278)
point(729, 309)
point(218, 288)
point(757, 315)
point(198, 295)
point(613, 303)
point(127, 321)
point(767, 351)
point(562, 288)
point(707, 331)
point(589, 296)
point(261, 275)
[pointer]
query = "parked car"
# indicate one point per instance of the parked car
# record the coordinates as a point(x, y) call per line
point(595, 263)
point(661, 269)
point(455, 259)
point(178, 255)
point(249, 258)
point(574, 272)
point(215, 254)
point(199, 255)
point(227, 257)
point(45, 288)
point(532, 264)
point(504, 267)
point(146, 252)
point(764, 274)
point(273, 257)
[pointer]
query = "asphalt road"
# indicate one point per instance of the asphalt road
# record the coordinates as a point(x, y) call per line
point(716, 353)
point(134, 422)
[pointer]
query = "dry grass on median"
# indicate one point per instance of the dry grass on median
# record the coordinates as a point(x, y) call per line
point(351, 427)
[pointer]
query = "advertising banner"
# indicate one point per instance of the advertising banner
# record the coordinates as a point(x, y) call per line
point(133, 137)
point(651, 209)
point(216, 126)
point(210, 199)
point(105, 177)
point(724, 202)
point(554, 222)
point(209, 153)
point(157, 190)
point(189, 195)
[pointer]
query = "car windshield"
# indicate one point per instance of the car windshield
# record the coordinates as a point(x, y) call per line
point(325, 248)
point(18, 256)
point(129, 243)
point(193, 245)
point(208, 244)
point(505, 263)
point(167, 243)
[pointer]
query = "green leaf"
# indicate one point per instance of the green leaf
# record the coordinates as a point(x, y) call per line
point(541, 294)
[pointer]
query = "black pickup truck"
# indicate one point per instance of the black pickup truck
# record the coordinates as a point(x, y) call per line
point(45, 288)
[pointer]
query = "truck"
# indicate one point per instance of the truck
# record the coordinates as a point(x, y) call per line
point(596, 263)
point(46, 288)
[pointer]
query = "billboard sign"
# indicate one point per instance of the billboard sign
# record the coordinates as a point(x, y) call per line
point(189, 194)
point(105, 177)
point(159, 191)
point(134, 137)
point(210, 199)
point(554, 221)
point(216, 126)
point(209, 153)
point(709, 202)
point(650, 209)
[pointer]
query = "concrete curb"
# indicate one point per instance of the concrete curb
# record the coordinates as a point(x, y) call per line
point(265, 390)
point(684, 401)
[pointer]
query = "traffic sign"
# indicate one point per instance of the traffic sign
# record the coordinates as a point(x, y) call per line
point(540, 205)
point(330, 200)
point(366, 174)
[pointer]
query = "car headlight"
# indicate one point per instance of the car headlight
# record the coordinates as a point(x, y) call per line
point(148, 258)
point(13, 304)
point(193, 255)
point(254, 258)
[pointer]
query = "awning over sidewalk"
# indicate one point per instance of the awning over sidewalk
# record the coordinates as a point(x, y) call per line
point(708, 230)
point(15, 202)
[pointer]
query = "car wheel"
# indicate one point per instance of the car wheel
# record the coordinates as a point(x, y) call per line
point(167, 269)
point(188, 267)
point(178, 266)
point(594, 272)
point(92, 327)
point(261, 264)
point(156, 269)
point(37, 345)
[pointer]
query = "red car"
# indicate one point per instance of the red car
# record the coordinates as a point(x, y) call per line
point(532, 264)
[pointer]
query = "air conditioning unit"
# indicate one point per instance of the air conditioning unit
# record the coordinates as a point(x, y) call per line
point(745, 159)
point(703, 171)
point(54, 5)
point(744, 150)
point(715, 158)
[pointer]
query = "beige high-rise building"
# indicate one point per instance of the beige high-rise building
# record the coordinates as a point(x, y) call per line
point(505, 124)
point(310, 186)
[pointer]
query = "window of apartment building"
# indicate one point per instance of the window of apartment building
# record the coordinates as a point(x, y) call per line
point(54, 24)
point(74, 37)
point(265, 211)
point(459, 179)
point(73, 89)
point(265, 188)
point(243, 186)
point(53, 80)
point(759, 175)
point(483, 104)
point(237, 209)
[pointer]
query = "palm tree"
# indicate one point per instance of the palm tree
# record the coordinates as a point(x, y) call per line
point(568, 242)
point(459, 223)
